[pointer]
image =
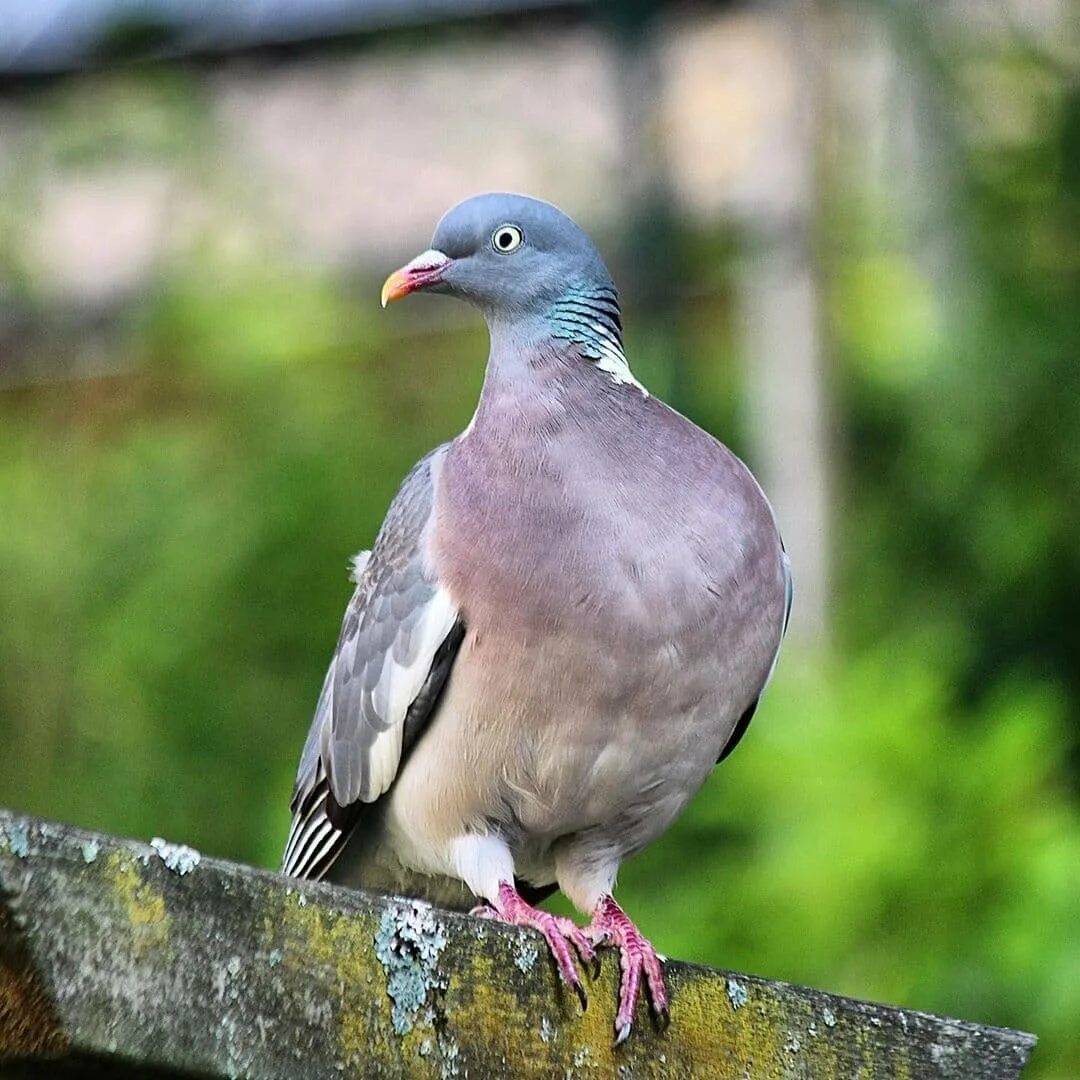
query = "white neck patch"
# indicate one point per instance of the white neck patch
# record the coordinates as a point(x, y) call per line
point(612, 360)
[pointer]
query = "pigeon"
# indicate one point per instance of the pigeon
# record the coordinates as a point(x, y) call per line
point(566, 620)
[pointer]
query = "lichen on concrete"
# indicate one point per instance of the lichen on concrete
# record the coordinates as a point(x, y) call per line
point(314, 945)
point(408, 944)
point(223, 980)
point(525, 952)
point(17, 839)
point(237, 972)
point(141, 903)
point(736, 993)
point(583, 1058)
point(450, 1053)
point(179, 858)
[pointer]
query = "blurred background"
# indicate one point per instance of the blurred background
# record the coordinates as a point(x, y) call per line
point(848, 239)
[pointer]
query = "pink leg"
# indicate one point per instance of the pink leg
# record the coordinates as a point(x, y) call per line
point(611, 925)
point(557, 931)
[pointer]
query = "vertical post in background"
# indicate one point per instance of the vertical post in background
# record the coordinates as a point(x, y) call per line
point(649, 242)
point(781, 294)
point(779, 285)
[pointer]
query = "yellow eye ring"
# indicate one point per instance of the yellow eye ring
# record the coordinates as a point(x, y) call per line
point(506, 238)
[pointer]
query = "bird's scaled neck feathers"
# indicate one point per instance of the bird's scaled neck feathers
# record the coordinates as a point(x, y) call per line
point(588, 317)
point(585, 316)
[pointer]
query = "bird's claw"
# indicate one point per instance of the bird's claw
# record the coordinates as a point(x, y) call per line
point(577, 937)
point(558, 931)
point(637, 958)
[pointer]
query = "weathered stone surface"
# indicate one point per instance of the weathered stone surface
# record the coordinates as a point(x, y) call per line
point(121, 958)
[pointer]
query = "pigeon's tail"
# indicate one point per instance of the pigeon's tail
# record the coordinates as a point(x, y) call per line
point(314, 841)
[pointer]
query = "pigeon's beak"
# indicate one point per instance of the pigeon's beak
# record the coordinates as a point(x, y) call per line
point(426, 269)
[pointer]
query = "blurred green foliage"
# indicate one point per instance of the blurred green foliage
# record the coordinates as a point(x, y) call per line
point(901, 823)
point(175, 557)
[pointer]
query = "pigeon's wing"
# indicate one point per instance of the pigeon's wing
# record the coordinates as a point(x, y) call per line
point(398, 641)
point(744, 721)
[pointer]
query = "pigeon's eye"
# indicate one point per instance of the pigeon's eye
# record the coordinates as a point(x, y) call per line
point(506, 238)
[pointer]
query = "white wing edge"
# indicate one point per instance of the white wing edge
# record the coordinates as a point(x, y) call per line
point(398, 687)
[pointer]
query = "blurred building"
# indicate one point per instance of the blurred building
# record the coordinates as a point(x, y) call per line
point(355, 155)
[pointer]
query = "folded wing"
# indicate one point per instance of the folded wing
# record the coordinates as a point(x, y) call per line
point(398, 640)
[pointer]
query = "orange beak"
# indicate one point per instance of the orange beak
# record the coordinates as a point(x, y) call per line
point(426, 269)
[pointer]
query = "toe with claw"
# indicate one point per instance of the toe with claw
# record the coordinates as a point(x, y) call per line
point(637, 958)
point(559, 933)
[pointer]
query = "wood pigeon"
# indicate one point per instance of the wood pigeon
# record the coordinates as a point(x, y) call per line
point(567, 618)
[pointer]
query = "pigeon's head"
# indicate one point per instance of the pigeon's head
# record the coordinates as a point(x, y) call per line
point(508, 255)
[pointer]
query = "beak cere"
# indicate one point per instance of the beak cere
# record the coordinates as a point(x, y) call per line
point(426, 269)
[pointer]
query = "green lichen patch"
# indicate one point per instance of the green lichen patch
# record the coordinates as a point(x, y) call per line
point(141, 905)
point(327, 964)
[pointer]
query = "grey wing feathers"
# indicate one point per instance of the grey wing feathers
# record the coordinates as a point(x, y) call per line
point(397, 643)
point(748, 714)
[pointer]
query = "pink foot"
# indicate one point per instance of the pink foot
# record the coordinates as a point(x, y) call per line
point(511, 908)
point(612, 926)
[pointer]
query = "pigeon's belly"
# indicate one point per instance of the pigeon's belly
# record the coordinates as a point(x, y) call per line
point(597, 719)
point(614, 739)
point(540, 762)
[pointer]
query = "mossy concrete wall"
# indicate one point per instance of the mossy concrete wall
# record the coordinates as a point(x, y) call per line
point(147, 960)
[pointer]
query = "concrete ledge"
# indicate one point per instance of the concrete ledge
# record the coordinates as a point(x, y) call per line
point(129, 959)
